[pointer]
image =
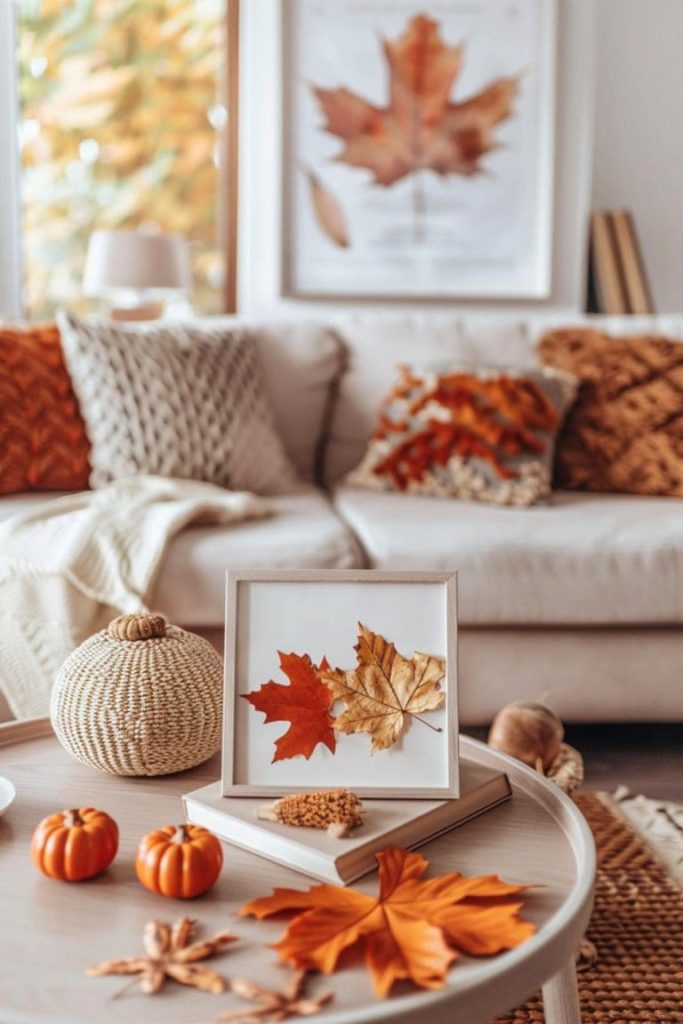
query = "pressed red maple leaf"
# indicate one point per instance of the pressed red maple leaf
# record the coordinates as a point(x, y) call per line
point(305, 703)
point(414, 928)
point(421, 127)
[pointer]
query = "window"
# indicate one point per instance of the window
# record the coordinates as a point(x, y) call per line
point(123, 124)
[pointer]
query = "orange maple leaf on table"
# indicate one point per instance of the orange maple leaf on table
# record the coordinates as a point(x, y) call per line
point(305, 703)
point(413, 929)
point(421, 127)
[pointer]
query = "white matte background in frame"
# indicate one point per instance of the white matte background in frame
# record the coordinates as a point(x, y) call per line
point(317, 614)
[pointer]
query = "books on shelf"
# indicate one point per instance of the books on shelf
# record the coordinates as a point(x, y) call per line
point(406, 823)
point(617, 281)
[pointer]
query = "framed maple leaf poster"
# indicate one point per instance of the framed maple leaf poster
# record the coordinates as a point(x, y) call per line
point(418, 148)
point(341, 678)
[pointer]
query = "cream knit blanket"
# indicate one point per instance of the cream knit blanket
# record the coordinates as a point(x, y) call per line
point(68, 565)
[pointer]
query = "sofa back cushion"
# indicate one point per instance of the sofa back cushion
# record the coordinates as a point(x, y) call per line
point(301, 363)
point(43, 443)
point(375, 344)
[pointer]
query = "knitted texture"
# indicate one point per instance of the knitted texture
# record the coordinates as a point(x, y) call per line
point(625, 432)
point(178, 400)
point(43, 444)
point(67, 565)
point(140, 707)
point(482, 435)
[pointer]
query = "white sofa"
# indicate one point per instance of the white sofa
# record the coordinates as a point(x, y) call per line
point(580, 600)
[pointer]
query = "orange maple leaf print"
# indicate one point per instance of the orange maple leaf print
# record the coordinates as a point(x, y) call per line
point(413, 929)
point(420, 127)
point(305, 704)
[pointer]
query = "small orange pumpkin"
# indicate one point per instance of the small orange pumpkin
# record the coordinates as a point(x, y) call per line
point(180, 861)
point(75, 845)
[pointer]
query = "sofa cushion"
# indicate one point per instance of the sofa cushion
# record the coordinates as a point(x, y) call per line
point(304, 533)
point(625, 432)
point(471, 432)
point(301, 361)
point(585, 559)
point(185, 400)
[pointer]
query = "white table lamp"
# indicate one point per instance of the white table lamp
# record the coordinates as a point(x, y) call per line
point(139, 268)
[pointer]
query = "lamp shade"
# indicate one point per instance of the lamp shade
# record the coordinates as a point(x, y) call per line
point(138, 260)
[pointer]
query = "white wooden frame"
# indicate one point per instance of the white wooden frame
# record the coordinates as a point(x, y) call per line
point(261, 135)
point(233, 785)
point(534, 285)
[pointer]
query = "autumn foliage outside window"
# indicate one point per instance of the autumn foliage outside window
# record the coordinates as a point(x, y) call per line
point(123, 124)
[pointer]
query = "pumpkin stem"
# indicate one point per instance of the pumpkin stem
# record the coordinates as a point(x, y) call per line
point(73, 818)
point(180, 835)
point(143, 626)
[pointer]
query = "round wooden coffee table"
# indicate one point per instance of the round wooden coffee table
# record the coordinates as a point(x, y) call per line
point(52, 931)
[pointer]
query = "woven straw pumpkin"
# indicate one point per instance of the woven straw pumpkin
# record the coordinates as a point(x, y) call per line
point(140, 697)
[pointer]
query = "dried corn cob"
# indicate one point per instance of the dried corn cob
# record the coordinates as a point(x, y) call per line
point(337, 810)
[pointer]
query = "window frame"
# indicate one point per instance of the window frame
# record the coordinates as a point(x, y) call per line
point(11, 269)
point(11, 305)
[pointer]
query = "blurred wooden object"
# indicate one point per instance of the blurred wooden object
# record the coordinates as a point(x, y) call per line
point(617, 282)
point(638, 294)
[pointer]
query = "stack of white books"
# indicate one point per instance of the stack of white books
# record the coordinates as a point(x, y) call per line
point(406, 823)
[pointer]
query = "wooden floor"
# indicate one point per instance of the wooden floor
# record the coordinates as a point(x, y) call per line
point(646, 758)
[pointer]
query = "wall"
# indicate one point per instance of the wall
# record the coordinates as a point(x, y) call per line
point(639, 131)
point(10, 288)
point(260, 133)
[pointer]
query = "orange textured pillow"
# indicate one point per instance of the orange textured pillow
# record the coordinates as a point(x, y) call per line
point(625, 431)
point(43, 443)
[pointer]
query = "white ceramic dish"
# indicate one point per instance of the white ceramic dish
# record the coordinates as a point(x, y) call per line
point(7, 794)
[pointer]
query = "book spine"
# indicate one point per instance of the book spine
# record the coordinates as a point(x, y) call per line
point(608, 286)
point(639, 296)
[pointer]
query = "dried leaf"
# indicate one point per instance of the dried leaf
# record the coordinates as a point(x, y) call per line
point(414, 929)
point(420, 127)
point(305, 704)
point(385, 690)
point(169, 955)
point(273, 1005)
point(328, 211)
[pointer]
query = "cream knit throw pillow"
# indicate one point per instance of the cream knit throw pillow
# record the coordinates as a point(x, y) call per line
point(177, 400)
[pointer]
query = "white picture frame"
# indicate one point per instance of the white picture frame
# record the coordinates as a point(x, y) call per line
point(485, 236)
point(316, 613)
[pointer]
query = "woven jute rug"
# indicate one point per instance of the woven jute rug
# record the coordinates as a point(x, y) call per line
point(631, 967)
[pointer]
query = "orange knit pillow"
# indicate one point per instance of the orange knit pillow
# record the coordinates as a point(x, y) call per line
point(43, 444)
point(625, 432)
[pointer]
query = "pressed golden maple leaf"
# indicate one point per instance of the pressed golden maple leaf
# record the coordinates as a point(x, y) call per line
point(414, 928)
point(305, 704)
point(385, 689)
point(421, 127)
